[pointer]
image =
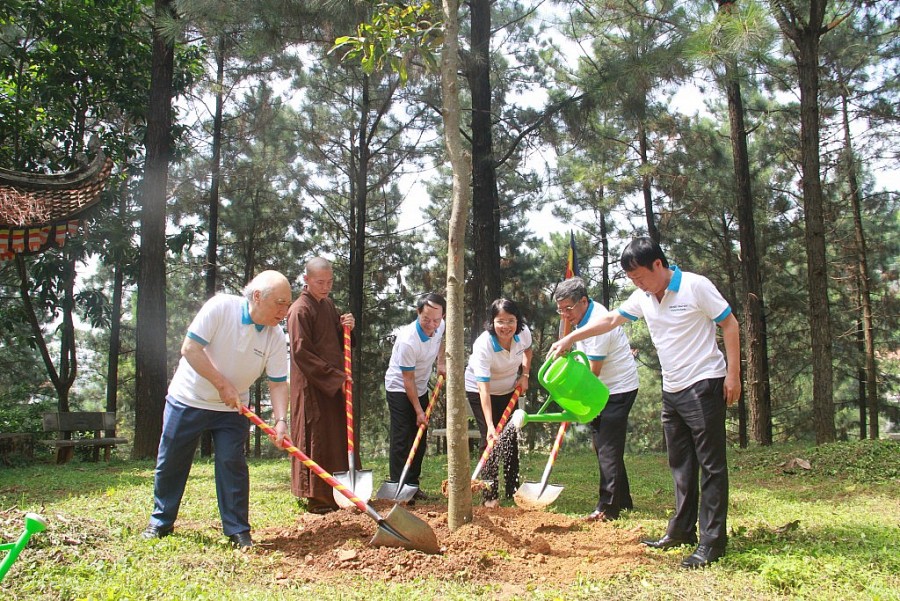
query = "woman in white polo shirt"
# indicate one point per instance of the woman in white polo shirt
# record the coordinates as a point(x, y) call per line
point(493, 373)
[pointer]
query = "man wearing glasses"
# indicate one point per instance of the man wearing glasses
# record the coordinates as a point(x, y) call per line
point(612, 362)
point(417, 347)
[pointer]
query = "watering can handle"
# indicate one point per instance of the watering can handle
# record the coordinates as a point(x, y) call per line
point(544, 368)
point(581, 357)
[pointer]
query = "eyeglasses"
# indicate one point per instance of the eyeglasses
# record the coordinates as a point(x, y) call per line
point(565, 309)
point(505, 322)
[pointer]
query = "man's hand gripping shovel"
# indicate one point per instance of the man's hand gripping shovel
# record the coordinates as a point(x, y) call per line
point(399, 491)
point(399, 529)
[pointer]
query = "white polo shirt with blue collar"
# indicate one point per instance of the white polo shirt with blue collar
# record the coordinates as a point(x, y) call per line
point(683, 328)
point(490, 362)
point(619, 371)
point(240, 349)
point(415, 351)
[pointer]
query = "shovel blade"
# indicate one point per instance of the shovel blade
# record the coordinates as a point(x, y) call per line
point(392, 491)
point(359, 481)
point(531, 496)
point(402, 529)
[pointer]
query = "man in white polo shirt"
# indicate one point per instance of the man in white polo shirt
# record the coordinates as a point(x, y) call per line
point(230, 343)
point(612, 362)
point(682, 311)
point(417, 347)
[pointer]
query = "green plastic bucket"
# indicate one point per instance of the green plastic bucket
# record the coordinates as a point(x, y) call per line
point(574, 387)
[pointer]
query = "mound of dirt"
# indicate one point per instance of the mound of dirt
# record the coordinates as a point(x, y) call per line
point(506, 545)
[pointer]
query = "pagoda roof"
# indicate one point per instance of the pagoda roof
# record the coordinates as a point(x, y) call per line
point(38, 211)
point(32, 200)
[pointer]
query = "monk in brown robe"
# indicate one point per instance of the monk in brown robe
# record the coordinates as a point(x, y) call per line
point(318, 418)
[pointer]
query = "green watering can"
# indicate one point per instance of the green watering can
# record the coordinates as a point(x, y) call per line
point(33, 524)
point(573, 386)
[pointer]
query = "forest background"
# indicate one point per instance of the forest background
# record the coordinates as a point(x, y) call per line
point(243, 142)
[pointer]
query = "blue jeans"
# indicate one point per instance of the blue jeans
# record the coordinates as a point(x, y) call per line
point(182, 426)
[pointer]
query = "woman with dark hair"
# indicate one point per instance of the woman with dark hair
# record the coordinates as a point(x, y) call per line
point(493, 373)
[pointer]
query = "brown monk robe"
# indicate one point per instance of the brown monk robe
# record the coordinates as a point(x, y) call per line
point(318, 418)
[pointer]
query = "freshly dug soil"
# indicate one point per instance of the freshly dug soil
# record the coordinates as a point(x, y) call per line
point(506, 545)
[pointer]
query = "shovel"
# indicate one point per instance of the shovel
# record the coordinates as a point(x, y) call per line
point(396, 491)
point(537, 495)
point(491, 442)
point(399, 529)
point(354, 479)
point(33, 524)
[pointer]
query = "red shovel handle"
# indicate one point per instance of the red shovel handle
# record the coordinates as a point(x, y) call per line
point(558, 442)
point(491, 442)
point(348, 390)
point(288, 446)
point(428, 410)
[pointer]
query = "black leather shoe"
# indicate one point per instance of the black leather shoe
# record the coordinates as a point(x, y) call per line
point(667, 542)
point(156, 531)
point(601, 516)
point(702, 557)
point(420, 495)
point(241, 540)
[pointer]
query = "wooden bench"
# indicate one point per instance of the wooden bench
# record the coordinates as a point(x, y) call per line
point(81, 429)
point(440, 434)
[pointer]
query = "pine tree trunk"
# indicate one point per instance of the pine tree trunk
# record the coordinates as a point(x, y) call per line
point(814, 216)
point(755, 337)
point(115, 326)
point(647, 183)
point(485, 284)
point(459, 510)
point(150, 351)
point(865, 289)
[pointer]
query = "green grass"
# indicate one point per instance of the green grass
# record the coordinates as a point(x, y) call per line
point(832, 532)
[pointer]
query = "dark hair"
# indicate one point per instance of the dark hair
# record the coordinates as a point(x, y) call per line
point(642, 252)
point(504, 304)
point(572, 288)
point(431, 298)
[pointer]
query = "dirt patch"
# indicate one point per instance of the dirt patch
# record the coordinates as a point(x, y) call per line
point(506, 545)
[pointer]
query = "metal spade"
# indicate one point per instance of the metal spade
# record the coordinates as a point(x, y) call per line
point(537, 495)
point(354, 479)
point(399, 529)
point(400, 491)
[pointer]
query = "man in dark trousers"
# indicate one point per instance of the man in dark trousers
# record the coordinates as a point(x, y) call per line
point(612, 362)
point(417, 347)
point(682, 310)
point(318, 413)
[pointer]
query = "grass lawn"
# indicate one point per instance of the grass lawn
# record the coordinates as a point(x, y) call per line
point(831, 532)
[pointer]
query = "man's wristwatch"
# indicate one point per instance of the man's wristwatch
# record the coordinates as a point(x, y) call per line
point(281, 419)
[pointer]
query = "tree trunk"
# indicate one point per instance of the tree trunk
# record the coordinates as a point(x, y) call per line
point(150, 352)
point(605, 293)
point(486, 282)
point(215, 172)
point(861, 378)
point(459, 509)
point(814, 216)
point(359, 190)
point(647, 183)
point(60, 378)
point(115, 326)
point(755, 337)
point(862, 267)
